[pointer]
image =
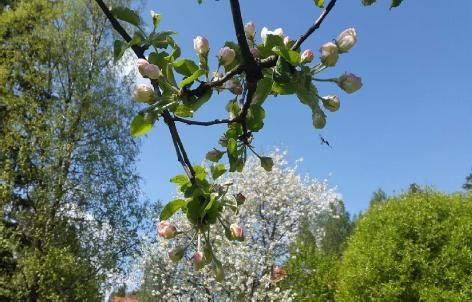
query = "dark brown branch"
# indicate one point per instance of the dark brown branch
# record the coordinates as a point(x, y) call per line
point(139, 51)
point(208, 123)
point(200, 90)
point(315, 25)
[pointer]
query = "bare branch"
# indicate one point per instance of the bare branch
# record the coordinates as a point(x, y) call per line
point(315, 25)
point(208, 123)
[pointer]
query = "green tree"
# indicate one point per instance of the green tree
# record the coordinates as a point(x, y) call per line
point(314, 261)
point(468, 183)
point(69, 196)
point(414, 247)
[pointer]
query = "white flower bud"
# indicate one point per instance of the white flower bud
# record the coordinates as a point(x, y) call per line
point(349, 82)
point(287, 40)
point(329, 54)
point(226, 55)
point(331, 102)
point(346, 39)
point(250, 30)
point(143, 93)
point(201, 45)
point(265, 31)
point(307, 56)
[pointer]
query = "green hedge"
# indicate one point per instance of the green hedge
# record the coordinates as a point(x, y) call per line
point(414, 247)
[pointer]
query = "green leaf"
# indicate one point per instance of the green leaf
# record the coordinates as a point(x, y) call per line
point(284, 89)
point(212, 210)
point(189, 80)
point(255, 118)
point(126, 14)
point(195, 103)
point(274, 40)
point(162, 39)
point(119, 48)
point(183, 111)
point(319, 3)
point(395, 3)
point(282, 73)
point(185, 67)
point(267, 163)
point(200, 172)
point(180, 179)
point(232, 147)
point(217, 170)
point(291, 56)
point(264, 86)
point(138, 39)
point(140, 125)
point(172, 207)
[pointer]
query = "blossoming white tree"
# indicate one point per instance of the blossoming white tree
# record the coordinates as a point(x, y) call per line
point(272, 210)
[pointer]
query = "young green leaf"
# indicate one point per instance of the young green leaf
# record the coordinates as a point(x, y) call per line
point(183, 111)
point(255, 118)
point(126, 14)
point(172, 207)
point(185, 67)
point(180, 179)
point(217, 170)
point(140, 125)
point(291, 56)
point(119, 48)
point(319, 3)
point(189, 80)
point(264, 86)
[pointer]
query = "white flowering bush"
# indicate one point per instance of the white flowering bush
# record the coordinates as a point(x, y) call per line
point(275, 203)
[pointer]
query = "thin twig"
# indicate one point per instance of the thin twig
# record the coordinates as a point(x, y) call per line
point(207, 123)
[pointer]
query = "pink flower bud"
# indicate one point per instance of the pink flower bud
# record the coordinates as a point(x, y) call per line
point(349, 82)
point(201, 45)
point(198, 261)
point(143, 93)
point(141, 63)
point(287, 40)
point(256, 53)
point(226, 56)
point(329, 54)
point(152, 71)
point(176, 253)
point(346, 39)
point(307, 56)
point(237, 232)
point(166, 229)
point(250, 30)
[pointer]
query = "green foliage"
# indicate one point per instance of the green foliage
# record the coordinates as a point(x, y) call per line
point(394, 3)
point(414, 247)
point(69, 196)
point(314, 261)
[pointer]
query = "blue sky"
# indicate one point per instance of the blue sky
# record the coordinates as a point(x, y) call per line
point(411, 122)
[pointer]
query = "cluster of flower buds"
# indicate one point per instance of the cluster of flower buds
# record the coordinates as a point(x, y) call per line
point(329, 52)
point(148, 70)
